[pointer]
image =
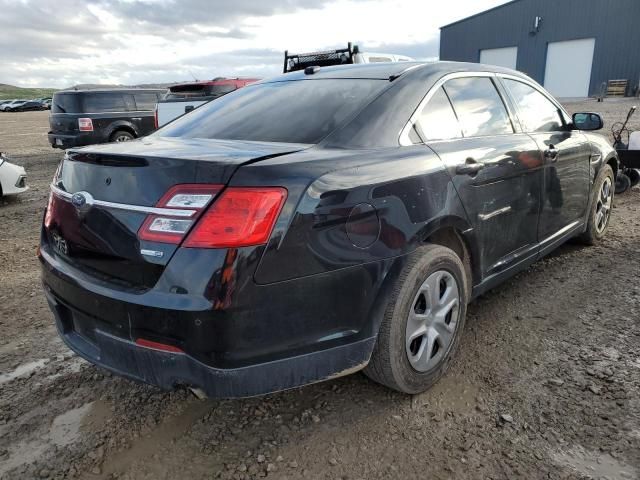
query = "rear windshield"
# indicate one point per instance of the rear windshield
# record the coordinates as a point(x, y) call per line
point(195, 91)
point(303, 111)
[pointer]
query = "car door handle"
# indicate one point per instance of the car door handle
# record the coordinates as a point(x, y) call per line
point(470, 167)
point(551, 153)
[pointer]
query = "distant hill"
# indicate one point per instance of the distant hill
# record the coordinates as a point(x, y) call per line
point(11, 92)
point(93, 86)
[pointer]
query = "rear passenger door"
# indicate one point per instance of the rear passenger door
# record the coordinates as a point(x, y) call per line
point(566, 155)
point(495, 168)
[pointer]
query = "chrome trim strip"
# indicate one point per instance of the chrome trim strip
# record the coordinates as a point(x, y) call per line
point(560, 232)
point(152, 253)
point(495, 213)
point(170, 212)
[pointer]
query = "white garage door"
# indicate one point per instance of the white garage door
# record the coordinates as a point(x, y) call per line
point(568, 70)
point(502, 57)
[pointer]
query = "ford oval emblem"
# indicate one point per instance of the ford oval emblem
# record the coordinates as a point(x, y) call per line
point(82, 201)
point(78, 200)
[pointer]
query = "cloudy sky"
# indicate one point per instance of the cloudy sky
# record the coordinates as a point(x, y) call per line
point(59, 43)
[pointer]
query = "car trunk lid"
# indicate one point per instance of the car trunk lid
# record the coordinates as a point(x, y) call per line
point(118, 184)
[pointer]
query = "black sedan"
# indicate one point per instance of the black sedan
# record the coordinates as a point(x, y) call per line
point(316, 224)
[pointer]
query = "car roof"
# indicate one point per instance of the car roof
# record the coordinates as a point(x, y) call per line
point(387, 70)
point(112, 90)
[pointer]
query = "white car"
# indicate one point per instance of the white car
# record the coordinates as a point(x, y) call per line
point(6, 106)
point(13, 178)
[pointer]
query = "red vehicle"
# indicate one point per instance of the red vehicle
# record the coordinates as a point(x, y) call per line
point(185, 97)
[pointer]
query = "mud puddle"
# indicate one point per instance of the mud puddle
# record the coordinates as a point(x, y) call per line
point(23, 370)
point(594, 465)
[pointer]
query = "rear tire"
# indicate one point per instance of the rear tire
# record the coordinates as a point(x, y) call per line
point(623, 183)
point(601, 206)
point(423, 321)
point(121, 136)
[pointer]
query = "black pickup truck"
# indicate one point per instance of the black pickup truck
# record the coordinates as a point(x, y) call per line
point(87, 117)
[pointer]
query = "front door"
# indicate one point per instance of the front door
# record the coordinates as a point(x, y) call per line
point(566, 155)
point(496, 172)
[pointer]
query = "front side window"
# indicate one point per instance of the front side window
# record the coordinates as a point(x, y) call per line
point(535, 111)
point(298, 111)
point(478, 105)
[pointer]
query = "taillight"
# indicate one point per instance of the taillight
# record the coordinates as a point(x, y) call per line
point(241, 217)
point(170, 229)
point(155, 118)
point(85, 125)
point(158, 346)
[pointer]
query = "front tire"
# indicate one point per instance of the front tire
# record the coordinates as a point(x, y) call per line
point(601, 206)
point(423, 321)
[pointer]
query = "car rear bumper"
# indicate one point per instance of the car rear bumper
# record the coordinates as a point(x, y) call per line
point(168, 369)
point(64, 141)
point(270, 337)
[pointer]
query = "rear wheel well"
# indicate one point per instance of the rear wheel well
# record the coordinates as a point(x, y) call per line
point(122, 128)
point(449, 237)
point(614, 165)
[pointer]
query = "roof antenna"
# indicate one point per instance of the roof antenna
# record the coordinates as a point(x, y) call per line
point(194, 77)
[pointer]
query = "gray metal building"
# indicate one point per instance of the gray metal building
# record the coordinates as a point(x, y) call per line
point(569, 46)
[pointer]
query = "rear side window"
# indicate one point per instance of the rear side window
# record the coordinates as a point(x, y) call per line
point(216, 90)
point(535, 111)
point(437, 121)
point(65, 103)
point(298, 111)
point(145, 101)
point(199, 90)
point(478, 106)
point(104, 102)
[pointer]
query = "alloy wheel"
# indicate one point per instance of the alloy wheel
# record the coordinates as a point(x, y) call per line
point(432, 320)
point(603, 205)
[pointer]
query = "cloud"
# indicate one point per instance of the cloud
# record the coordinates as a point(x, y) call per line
point(177, 13)
point(66, 42)
point(426, 50)
point(45, 42)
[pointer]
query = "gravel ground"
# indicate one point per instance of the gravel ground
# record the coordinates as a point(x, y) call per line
point(546, 384)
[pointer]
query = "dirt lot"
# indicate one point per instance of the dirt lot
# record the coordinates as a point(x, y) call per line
point(547, 383)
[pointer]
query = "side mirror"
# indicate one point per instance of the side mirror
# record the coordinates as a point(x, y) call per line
point(587, 121)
